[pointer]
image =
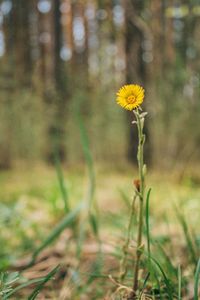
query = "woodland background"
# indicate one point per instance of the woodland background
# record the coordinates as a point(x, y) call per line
point(68, 151)
point(63, 60)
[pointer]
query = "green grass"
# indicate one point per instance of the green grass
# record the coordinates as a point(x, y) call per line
point(33, 220)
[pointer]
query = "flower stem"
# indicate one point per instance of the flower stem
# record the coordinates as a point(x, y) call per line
point(140, 158)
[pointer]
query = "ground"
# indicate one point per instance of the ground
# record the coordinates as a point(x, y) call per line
point(32, 205)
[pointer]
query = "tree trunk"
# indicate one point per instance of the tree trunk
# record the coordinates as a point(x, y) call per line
point(135, 65)
point(57, 94)
point(21, 41)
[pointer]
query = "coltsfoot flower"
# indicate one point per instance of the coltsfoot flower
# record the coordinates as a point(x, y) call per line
point(130, 96)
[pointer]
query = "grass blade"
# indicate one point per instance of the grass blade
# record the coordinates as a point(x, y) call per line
point(94, 224)
point(80, 239)
point(144, 285)
point(158, 285)
point(44, 281)
point(92, 204)
point(167, 283)
point(63, 189)
point(170, 266)
point(188, 239)
point(179, 282)
point(147, 222)
point(65, 222)
point(21, 286)
point(196, 281)
point(88, 159)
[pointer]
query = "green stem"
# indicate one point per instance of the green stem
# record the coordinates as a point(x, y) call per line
point(140, 158)
point(123, 267)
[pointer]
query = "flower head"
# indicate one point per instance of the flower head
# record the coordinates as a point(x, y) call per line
point(130, 96)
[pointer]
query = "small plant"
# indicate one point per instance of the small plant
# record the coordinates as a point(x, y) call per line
point(10, 284)
point(7, 281)
point(130, 97)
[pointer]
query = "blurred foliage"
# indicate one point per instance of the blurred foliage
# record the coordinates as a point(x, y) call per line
point(33, 221)
point(58, 55)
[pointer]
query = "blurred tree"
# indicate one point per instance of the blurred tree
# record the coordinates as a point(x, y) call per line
point(55, 50)
point(16, 69)
point(136, 33)
point(56, 130)
point(59, 67)
point(21, 47)
point(79, 62)
point(45, 64)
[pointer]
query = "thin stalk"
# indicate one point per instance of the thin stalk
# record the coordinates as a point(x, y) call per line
point(140, 158)
point(123, 266)
point(147, 228)
point(179, 282)
point(196, 281)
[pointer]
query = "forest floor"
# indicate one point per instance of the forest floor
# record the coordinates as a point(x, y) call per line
point(32, 205)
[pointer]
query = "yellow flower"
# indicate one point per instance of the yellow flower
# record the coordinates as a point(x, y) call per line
point(130, 96)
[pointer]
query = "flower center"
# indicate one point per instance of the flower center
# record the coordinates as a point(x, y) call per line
point(131, 99)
